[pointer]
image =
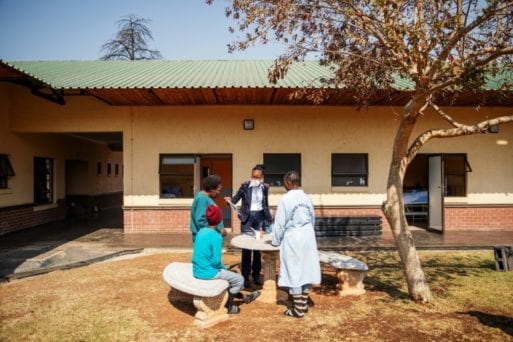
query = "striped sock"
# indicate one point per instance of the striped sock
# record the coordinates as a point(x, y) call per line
point(304, 300)
point(296, 310)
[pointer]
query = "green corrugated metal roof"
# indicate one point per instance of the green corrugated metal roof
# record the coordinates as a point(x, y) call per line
point(165, 74)
point(184, 74)
point(171, 74)
point(498, 81)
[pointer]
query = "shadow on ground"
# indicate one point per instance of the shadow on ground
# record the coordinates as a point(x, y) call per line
point(57, 243)
point(495, 321)
point(182, 301)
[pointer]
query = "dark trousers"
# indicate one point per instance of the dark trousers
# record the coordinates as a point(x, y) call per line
point(251, 262)
point(251, 266)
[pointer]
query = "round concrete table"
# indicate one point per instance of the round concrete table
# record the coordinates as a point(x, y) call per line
point(269, 262)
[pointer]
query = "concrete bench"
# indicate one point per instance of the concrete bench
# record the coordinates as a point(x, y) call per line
point(210, 296)
point(350, 272)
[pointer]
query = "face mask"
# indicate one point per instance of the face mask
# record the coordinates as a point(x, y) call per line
point(255, 182)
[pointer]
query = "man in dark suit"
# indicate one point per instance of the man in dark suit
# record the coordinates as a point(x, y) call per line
point(254, 215)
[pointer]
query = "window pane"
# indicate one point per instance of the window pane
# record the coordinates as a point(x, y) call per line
point(348, 181)
point(281, 162)
point(43, 180)
point(177, 186)
point(5, 170)
point(349, 164)
point(454, 164)
point(278, 164)
point(170, 160)
point(177, 169)
point(455, 175)
point(176, 176)
point(3, 182)
point(455, 185)
point(5, 166)
point(274, 180)
point(349, 169)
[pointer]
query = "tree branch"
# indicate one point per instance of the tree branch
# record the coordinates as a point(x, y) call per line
point(481, 127)
point(494, 54)
point(446, 116)
point(459, 34)
point(379, 36)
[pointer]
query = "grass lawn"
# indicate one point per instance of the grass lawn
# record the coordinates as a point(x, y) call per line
point(127, 300)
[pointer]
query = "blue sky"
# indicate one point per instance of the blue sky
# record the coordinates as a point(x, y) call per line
point(76, 29)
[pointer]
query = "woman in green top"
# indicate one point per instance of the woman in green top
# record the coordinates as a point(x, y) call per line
point(211, 188)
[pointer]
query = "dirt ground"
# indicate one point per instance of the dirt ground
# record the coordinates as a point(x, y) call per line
point(127, 300)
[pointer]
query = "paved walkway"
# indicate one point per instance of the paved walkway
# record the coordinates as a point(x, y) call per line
point(69, 244)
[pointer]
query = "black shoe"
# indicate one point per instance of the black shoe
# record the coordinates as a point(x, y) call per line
point(247, 285)
point(233, 310)
point(292, 312)
point(258, 281)
point(251, 297)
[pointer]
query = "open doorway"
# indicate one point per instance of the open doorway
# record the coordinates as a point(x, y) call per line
point(429, 179)
point(415, 191)
point(94, 177)
point(77, 188)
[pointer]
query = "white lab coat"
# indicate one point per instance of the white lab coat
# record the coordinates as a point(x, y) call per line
point(294, 232)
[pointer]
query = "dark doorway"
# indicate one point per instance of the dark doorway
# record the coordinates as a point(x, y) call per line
point(415, 191)
point(429, 179)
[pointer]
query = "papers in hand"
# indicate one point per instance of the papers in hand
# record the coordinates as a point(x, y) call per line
point(233, 206)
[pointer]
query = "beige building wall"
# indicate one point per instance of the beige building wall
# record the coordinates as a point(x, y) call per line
point(314, 131)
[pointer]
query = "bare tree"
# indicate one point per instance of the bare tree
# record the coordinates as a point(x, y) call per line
point(442, 47)
point(130, 42)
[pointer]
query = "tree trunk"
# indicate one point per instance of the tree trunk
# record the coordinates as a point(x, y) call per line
point(393, 209)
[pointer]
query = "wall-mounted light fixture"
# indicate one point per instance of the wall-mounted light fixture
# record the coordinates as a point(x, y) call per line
point(248, 124)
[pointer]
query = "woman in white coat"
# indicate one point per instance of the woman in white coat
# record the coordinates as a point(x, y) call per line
point(294, 232)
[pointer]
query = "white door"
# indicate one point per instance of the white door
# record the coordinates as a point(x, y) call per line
point(436, 198)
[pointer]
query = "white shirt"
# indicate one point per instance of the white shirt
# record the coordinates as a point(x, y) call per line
point(257, 196)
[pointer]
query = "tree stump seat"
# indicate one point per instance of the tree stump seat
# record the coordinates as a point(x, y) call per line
point(350, 272)
point(210, 296)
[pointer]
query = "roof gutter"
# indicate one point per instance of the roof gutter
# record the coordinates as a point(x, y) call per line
point(36, 86)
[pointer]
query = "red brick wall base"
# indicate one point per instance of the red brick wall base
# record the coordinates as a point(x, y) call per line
point(177, 220)
point(23, 216)
point(478, 218)
point(156, 220)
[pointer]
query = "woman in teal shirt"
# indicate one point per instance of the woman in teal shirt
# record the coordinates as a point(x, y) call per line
point(211, 188)
point(206, 259)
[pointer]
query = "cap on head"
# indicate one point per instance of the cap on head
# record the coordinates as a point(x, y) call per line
point(214, 215)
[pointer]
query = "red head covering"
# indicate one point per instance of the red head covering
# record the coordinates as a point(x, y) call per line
point(214, 215)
